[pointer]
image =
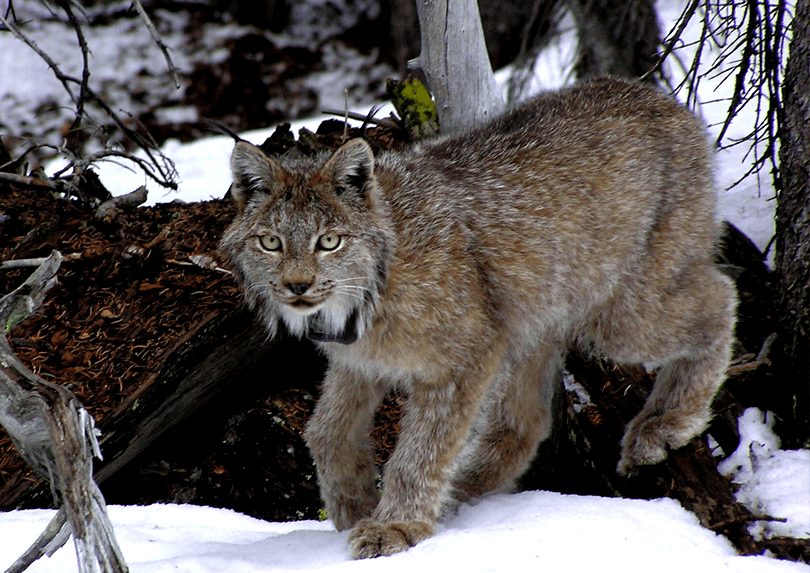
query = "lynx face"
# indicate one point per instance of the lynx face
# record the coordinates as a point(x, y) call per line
point(307, 244)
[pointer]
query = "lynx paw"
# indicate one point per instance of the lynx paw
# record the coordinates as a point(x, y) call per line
point(371, 538)
point(649, 436)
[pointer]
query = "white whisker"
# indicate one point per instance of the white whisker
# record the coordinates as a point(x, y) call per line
point(259, 286)
point(351, 294)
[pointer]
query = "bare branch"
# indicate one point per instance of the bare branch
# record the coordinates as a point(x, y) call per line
point(156, 37)
point(751, 54)
point(35, 262)
point(744, 66)
point(674, 36)
point(73, 142)
point(30, 181)
point(65, 80)
point(158, 167)
point(367, 118)
point(52, 538)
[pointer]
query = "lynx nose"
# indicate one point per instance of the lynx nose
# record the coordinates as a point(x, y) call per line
point(298, 288)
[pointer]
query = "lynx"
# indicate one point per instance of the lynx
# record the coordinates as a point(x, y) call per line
point(462, 269)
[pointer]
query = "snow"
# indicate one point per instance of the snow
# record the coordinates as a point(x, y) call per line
point(521, 532)
point(121, 49)
point(760, 468)
point(528, 531)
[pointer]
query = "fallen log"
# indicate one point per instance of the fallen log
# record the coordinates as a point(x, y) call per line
point(169, 340)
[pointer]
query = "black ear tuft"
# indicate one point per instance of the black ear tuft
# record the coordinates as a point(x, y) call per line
point(357, 180)
point(252, 172)
point(351, 166)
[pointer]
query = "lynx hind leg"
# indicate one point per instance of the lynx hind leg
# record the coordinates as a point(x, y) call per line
point(693, 335)
point(514, 420)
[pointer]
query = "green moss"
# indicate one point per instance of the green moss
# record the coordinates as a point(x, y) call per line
point(415, 107)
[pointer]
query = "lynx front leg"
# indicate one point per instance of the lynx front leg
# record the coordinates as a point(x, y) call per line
point(436, 422)
point(338, 439)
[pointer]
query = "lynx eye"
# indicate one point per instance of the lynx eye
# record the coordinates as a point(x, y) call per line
point(329, 241)
point(270, 242)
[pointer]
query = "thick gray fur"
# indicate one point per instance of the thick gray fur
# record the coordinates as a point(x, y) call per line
point(466, 268)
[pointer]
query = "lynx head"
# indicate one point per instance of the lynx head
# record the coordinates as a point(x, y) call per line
point(309, 244)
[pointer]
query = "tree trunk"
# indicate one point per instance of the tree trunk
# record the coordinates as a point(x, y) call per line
point(793, 235)
point(456, 65)
point(619, 38)
point(511, 29)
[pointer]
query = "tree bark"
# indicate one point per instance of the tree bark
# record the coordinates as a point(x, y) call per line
point(793, 235)
point(511, 29)
point(456, 65)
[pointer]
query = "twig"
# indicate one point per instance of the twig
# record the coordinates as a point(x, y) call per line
point(726, 523)
point(73, 143)
point(743, 68)
point(751, 54)
point(39, 182)
point(111, 207)
point(156, 37)
point(65, 80)
point(202, 261)
point(167, 170)
point(35, 262)
point(751, 364)
point(10, 9)
point(674, 37)
point(165, 173)
point(219, 127)
point(52, 538)
point(383, 122)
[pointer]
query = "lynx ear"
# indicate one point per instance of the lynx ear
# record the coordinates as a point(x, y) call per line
point(351, 167)
point(252, 172)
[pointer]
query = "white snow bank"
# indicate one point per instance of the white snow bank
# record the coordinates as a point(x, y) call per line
point(532, 531)
point(770, 479)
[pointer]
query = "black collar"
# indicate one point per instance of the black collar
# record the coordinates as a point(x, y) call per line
point(349, 334)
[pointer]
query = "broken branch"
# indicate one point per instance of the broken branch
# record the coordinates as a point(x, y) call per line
point(57, 438)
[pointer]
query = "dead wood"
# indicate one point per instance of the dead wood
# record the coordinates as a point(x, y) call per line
point(56, 437)
point(110, 208)
point(593, 430)
point(205, 363)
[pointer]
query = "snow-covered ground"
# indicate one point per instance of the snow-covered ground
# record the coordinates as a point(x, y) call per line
point(530, 531)
point(523, 532)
